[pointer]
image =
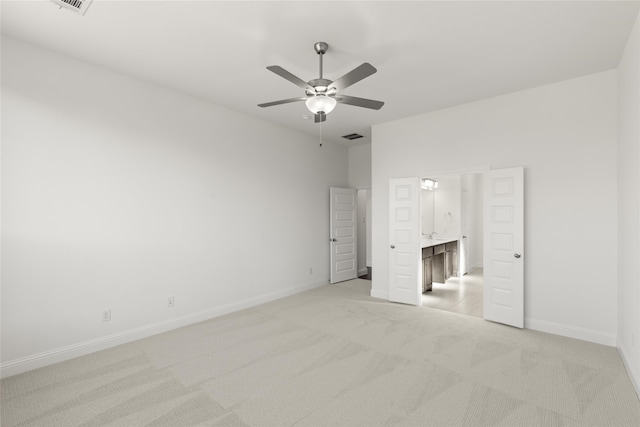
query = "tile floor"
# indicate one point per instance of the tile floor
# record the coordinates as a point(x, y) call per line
point(458, 295)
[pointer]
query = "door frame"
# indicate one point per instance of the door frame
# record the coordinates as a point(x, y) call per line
point(479, 170)
point(475, 170)
point(364, 225)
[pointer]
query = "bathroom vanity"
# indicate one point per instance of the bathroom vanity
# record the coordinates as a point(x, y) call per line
point(439, 261)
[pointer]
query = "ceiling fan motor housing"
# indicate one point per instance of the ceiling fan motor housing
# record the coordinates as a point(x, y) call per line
point(320, 86)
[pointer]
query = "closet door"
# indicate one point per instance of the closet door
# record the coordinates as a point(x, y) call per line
point(503, 246)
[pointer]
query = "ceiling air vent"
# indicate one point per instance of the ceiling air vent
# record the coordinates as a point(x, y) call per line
point(352, 136)
point(78, 6)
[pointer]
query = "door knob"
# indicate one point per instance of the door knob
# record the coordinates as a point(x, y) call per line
point(333, 240)
point(517, 255)
point(393, 247)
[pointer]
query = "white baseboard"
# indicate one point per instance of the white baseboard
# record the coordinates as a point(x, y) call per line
point(35, 361)
point(568, 331)
point(363, 272)
point(633, 374)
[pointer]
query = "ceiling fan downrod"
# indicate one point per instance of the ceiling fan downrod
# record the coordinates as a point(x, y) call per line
point(319, 85)
point(321, 48)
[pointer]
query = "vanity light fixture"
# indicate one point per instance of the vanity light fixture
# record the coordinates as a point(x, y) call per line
point(429, 184)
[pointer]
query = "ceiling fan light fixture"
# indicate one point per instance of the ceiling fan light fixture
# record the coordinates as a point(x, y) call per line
point(321, 104)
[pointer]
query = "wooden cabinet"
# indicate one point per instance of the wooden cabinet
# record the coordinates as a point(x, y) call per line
point(438, 272)
point(427, 262)
point(439, 263)
point(451, 259)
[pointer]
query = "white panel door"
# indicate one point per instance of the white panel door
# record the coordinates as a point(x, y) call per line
point(343, 241)
point(503, 246)
point(405, 255)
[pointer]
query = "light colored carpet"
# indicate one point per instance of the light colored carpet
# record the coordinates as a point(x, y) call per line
point(332, 356)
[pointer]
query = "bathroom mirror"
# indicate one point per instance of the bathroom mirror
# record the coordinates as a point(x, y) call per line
point(428, 209)
point(440, 198)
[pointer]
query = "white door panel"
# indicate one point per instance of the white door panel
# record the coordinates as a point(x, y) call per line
point(405, 272)
point(343, 241)
point(503, 246)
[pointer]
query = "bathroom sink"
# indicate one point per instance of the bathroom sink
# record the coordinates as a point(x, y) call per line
point(426, 242)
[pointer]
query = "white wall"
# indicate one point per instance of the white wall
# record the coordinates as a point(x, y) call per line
point(117, 193)
point(447, 206)
point(629, 205)
point(427, 199)
point(472, 215)
point(564, 135)
point(360, 166)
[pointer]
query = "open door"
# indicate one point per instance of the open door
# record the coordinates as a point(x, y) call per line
point(343, 241)
point(503, 246)
point(405, 256)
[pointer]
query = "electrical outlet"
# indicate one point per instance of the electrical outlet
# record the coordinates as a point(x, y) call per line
point(106, 315)
point(171, 301)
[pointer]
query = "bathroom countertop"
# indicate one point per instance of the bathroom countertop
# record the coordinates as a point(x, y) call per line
point(426, 242)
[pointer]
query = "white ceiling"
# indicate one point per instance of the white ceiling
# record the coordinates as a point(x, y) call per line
point(429, 54)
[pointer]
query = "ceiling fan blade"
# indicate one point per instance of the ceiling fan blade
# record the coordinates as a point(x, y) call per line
point(282, 101)
point(359, 102)
point(320, 117)
point(353, 76)
point(287, 75)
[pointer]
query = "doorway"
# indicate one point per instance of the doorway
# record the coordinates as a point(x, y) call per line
point(503, 226)
point(452, 207)
point(365, 270)
point(350, 234)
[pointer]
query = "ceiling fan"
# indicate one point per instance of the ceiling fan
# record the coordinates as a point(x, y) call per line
point(322, 95)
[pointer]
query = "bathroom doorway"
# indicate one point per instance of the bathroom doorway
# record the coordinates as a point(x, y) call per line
point(453, 208)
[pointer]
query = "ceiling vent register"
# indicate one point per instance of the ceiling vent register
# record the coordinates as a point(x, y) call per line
point(78, 6)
